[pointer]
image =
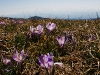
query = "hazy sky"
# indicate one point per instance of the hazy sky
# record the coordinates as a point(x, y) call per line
point(50, 8)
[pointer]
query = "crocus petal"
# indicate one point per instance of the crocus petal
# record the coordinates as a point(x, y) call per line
point(41, 60)
point(17, 58)
point(45, 61)
point(23, 55)
point(50, 62)
point(15, 55)
point(39, 29)
point(22, 52)
point(41, 63)
point(8, 61)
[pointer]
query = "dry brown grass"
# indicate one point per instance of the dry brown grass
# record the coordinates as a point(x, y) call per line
point(80, 58)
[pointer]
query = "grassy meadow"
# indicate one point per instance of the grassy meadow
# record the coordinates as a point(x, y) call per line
point(80, 57)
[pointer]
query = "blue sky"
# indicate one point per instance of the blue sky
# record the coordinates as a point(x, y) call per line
point(50, 8)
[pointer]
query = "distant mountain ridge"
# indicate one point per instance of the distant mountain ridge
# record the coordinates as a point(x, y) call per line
point(37, 17)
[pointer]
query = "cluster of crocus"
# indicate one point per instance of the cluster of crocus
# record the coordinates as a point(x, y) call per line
point(20, 22)
point(66, 38)
point(46, 61)
point(35, 32)
point(13, 21)
point(19, 57)
point(50, 26)
point(38, 30)
point(2, 23)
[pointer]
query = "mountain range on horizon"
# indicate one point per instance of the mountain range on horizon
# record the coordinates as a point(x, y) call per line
point(39, 17)
point(59, 15)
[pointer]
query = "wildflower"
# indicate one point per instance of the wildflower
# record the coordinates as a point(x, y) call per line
point(12, 20)
point(50, 26)
point(39, 29)
point(47, 62)
point(61, 40)
point(2, 23)
point(19, 57)
point(35, 33)
point(20, 22)
point(6, 61)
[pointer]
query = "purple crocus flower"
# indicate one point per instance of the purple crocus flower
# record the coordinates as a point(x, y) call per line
point(19, 57)
point(50, 26)
point(39, 29)
point(13, 20)
point(61, 40)
point(20, 22)
point(34, 32)
point(47, 62)
point(6, 61)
